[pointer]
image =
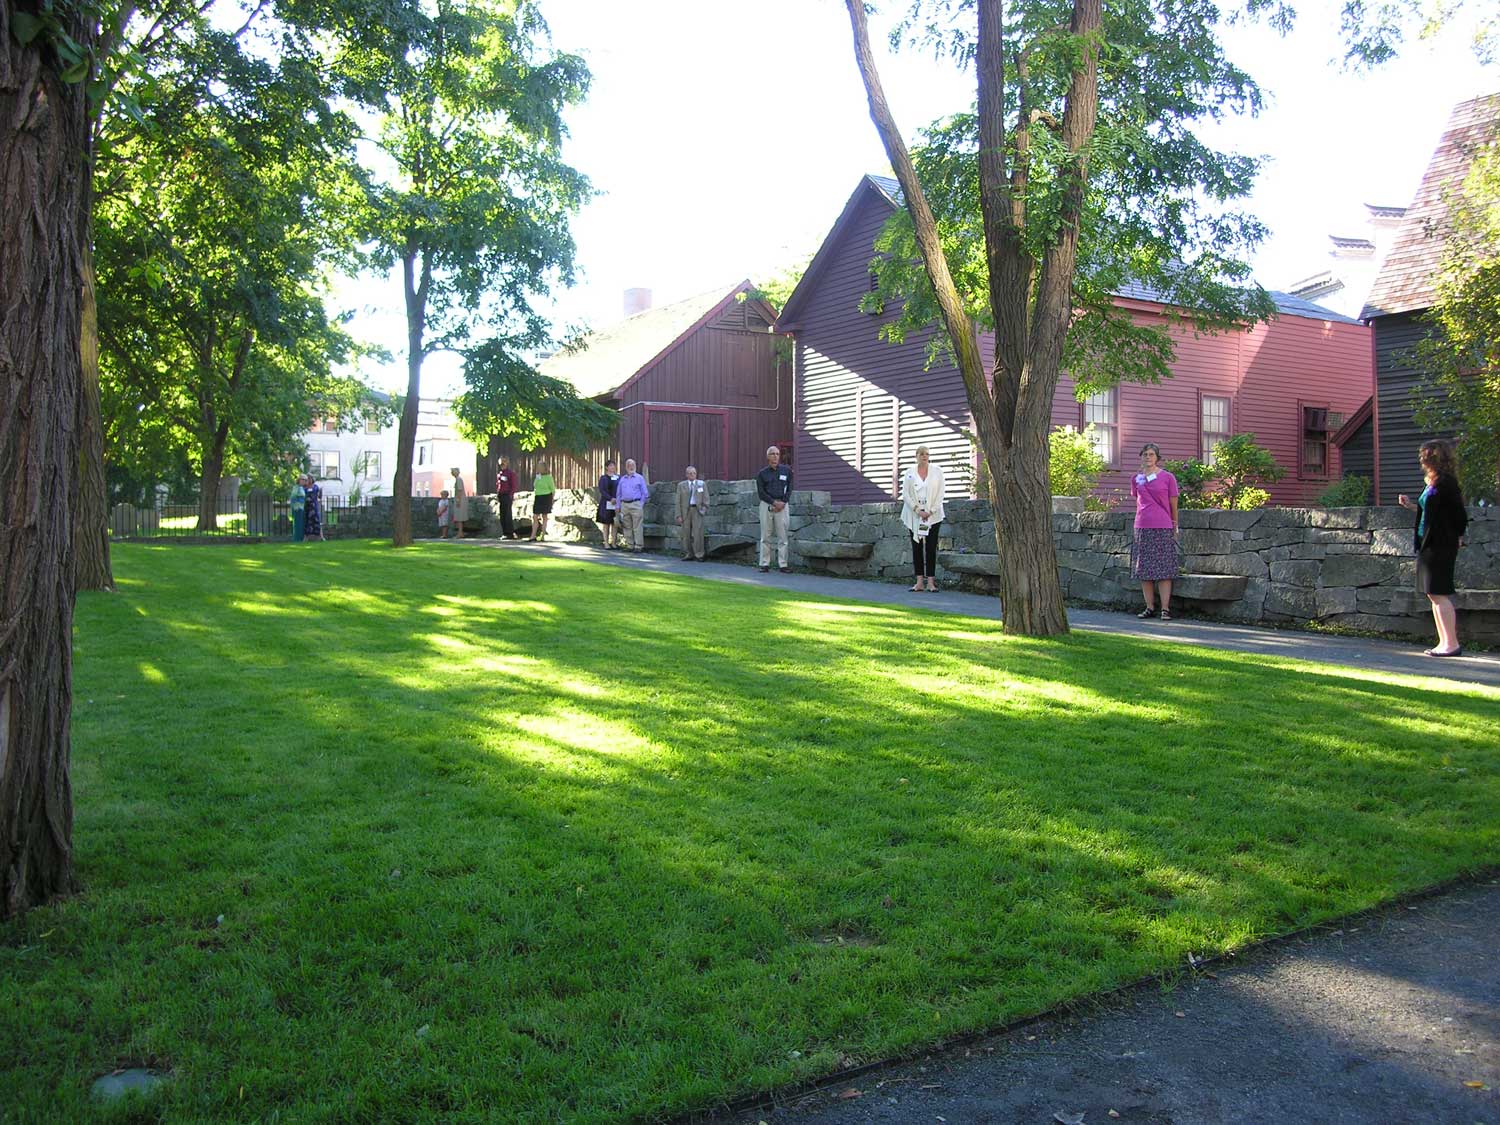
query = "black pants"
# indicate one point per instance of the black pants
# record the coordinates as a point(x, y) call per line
point(507, 528)
point(926, 552)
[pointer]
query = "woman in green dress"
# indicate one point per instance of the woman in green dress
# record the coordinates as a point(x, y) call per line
point(298, 501)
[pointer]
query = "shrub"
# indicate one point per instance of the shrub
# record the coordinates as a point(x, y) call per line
point(1351, 492)
point(1075, 465)
point(1193, 479)
point(1240, 467)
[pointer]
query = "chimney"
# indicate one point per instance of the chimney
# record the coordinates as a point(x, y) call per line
point(637, 301)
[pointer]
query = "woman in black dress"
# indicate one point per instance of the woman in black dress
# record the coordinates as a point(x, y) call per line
point(605, 516)
point(1438, 534)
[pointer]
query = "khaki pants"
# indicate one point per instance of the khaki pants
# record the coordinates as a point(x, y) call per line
point(632, 519)
point(772, 532)
point(692, 534)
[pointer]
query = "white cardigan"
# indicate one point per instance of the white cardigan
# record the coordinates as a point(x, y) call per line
point(917, 493)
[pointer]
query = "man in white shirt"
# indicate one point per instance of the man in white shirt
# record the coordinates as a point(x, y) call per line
point(692, 509)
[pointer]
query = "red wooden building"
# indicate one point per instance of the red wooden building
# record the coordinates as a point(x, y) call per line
point(863, 406)
point(704, 382)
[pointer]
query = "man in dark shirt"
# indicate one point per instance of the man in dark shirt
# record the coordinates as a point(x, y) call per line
point(505, 493)
point(773, 485)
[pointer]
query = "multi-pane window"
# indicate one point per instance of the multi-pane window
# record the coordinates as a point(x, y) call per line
point(1213, 425)
point(372, 426)
point(1315, 440)
point(370, 462)
point(323, 464)
point(1102, 411)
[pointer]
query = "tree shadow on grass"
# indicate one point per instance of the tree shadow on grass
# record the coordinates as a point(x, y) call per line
point(625, 843)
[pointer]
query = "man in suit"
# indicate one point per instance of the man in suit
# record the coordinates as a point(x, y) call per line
point(692, 508)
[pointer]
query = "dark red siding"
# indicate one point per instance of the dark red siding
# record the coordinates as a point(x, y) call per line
point(850, 437)
point(716, 401)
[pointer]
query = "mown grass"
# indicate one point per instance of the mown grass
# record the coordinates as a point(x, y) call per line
point(498, 836)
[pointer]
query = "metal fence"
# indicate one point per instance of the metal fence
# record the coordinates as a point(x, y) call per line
point(253, 517)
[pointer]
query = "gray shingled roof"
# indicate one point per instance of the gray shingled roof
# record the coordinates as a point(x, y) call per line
point(1407, 277)
point(1286, 303)
point(602, 361)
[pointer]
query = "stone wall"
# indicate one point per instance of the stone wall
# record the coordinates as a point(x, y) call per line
point(1352, 567)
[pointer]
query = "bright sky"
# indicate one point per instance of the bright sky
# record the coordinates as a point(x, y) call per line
point(725, 138)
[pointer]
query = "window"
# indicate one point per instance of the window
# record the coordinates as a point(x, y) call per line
point(324, 426)
point(1102, 411)
point(372, 426)
point(1213, 414)
point(369, 461)
point(1313, 461)
point(421, 455)
point(323, 464)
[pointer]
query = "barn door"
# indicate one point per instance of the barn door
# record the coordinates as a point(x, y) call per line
point(679, 438)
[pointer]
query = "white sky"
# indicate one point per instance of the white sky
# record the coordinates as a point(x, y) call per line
point(725, 138)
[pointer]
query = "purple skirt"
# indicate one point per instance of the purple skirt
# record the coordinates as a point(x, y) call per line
point(1153, 555)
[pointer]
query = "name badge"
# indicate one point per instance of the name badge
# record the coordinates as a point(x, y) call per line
point(782, 476)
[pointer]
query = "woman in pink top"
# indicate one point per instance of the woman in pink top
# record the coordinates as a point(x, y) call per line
point(1153, 556)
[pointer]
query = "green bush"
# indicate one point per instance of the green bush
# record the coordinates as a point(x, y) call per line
point(1076, 466)
point(1193, 480)
point(1351, 492)
point(1232, 482)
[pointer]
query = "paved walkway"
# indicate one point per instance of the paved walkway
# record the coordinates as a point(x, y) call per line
point(1359, 652)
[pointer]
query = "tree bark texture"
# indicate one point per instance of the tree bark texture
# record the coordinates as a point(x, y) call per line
point(91, 523)
point(43, 143)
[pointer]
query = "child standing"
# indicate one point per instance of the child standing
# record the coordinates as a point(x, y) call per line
point(445, 513)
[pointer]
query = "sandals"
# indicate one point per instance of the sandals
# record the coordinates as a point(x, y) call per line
point(1149, 611)
point(1166, 615)
point(1439, 653)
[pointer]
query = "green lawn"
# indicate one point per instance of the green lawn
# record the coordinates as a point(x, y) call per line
point(495, 835)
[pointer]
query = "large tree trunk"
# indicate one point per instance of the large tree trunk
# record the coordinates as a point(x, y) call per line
point(210, 479)
point(43, 144)
point(91, 525)
point(406, 436)
point(1031, 597)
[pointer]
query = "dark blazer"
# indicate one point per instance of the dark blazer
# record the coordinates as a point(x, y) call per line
point(1447, 519)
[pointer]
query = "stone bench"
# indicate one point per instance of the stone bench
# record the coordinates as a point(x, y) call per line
point(822, 549)
point(969, 562)
point(1210, 587)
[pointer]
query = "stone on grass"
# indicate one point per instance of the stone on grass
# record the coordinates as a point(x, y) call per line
point(112, 1087)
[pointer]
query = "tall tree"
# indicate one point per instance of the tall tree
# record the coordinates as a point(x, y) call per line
point(222, 214)
point(43, 154)
point(1077, 172)
point(477, 212)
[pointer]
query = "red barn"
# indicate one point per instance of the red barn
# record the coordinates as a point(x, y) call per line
point(704, 382)
point(863, 406)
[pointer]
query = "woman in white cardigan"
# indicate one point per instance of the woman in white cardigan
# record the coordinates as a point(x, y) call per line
point(922, 513)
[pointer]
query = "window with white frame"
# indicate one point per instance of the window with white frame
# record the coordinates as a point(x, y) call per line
point(1213, 425)
point(324, 464)
point(372, 426)
point(369, 464)
point(1102, 411)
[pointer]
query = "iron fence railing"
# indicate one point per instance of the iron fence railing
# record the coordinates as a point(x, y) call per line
point(248, 517)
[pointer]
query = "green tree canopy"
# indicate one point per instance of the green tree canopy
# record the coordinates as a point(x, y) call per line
point(476, 206)
point(224, 199)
